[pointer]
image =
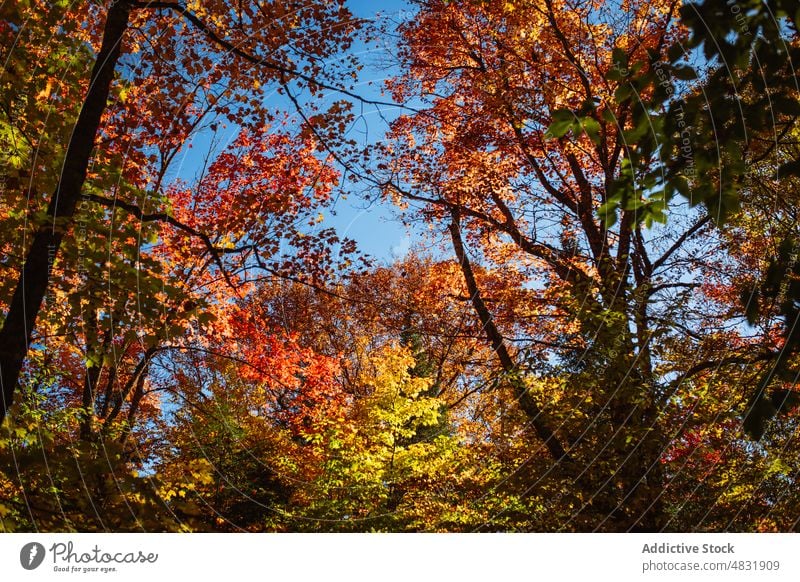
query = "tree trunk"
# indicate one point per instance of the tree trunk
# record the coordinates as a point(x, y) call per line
point(15, 335)
point(526, 401)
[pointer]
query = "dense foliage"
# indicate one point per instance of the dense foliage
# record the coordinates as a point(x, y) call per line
point(596, 331)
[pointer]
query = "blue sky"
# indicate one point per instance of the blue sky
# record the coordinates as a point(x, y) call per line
point(373, 226)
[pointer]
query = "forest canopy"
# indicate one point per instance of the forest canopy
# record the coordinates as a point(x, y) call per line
point(593, 326)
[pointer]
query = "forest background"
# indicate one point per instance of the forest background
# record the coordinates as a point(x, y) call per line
point(456, 266)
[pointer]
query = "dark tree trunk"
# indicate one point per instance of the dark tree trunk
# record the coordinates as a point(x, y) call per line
point(526, 401)
point(15, 335)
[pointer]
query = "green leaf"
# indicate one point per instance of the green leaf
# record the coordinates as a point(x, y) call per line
point(559, 129)
point(684, 73)
point(620, 58)
point(609, 116)
point(759, 413)
point(675, 52)
point(681, 184)
point(591, 127)
point(623, 92)
point(633, 135)
point(752, 310)
point(785, 400)
point(789, 169)
point(608, 212)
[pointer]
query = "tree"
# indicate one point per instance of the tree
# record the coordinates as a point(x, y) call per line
point(244, 47)
point(148, 262)
point(524, 189)
point(601, 295)
point(15, 335)
point(704, 139)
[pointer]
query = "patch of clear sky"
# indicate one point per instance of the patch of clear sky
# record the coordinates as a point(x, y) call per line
point(374, 226)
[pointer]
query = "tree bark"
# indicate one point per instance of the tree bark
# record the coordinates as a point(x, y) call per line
point(15, 335)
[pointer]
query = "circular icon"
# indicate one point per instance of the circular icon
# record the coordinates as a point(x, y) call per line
point(31, 555)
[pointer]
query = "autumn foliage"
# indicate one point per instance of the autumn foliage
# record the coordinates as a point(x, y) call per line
point(593, 330)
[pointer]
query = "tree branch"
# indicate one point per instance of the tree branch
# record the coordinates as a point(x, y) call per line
point(284, 71)
point(495, 338)
point(678, 243)
point(164, 217)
